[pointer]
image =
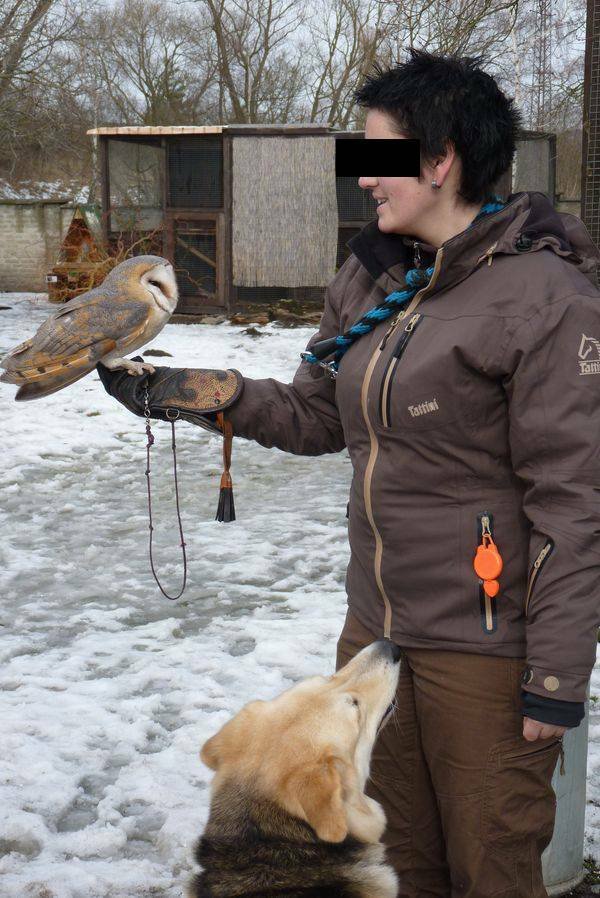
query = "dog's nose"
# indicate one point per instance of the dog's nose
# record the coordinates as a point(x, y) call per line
point(396, 652)
point(390, 648)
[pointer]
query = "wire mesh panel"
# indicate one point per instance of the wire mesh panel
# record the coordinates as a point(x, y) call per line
point(354, 203)
point(262, 294)
point(311, 296)
point(195, 258)
point(135, 185)
point(343, 251)
point(590, 180)
point(535, 164)
point(195, 172)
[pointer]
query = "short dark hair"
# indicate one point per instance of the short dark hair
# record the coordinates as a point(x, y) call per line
point(437, 98)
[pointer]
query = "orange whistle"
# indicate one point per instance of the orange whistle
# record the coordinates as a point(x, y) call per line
point(488, 565)
point(491, 588)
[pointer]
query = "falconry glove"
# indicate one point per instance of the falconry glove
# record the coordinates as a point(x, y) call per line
point(197, 395)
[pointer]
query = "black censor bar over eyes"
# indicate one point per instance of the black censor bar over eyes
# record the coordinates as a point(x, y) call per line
point(388, 158)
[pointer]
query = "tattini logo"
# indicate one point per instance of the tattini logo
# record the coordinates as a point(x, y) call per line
point(424, 407)
point(589, 355)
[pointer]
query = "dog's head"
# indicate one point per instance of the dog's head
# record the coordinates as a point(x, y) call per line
point(309, 749)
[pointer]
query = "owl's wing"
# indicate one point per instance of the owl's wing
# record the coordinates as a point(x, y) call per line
point(69, 344)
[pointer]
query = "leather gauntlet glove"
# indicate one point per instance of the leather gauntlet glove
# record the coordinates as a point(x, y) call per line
point(197, 395)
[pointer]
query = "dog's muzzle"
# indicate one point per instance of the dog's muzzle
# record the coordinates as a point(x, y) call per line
point(390, 649)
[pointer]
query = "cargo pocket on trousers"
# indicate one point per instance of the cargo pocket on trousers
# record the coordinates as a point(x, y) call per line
point(518, 801)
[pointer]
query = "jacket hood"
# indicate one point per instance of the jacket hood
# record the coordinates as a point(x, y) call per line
point(527, 223)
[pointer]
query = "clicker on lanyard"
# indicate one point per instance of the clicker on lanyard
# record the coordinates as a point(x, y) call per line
point(487, 561)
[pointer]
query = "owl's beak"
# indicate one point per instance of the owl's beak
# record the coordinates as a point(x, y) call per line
point(170, 287)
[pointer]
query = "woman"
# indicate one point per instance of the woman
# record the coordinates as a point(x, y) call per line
point(472, 419)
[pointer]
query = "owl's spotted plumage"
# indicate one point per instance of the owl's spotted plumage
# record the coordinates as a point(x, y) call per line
point(126, 311)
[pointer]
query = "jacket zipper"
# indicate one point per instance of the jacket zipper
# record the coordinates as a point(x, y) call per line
point(374, 450)
point(489, 619)
point(386, 383)
point(536, 568)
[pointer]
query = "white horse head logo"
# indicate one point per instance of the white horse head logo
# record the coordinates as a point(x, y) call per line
point(587, 345)
point(589, 365)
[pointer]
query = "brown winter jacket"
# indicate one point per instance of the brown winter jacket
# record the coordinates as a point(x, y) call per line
point(481, 406)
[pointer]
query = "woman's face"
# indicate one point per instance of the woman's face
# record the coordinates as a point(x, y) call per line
point(408, 201)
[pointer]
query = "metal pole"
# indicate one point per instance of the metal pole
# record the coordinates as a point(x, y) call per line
point(562, 861)
point(590, 168)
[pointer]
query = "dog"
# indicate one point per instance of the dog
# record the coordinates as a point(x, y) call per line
point(288, 813)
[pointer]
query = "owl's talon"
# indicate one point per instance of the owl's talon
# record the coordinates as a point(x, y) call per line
point(136, 368)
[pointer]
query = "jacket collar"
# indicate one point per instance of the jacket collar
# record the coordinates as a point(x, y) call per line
point(527, 223)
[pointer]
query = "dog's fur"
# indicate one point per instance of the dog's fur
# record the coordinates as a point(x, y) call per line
point(288, 815)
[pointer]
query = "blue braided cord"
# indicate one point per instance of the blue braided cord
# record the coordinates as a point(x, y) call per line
point(414, 277)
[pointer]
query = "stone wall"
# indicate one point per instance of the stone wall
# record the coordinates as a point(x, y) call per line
point(31, 232)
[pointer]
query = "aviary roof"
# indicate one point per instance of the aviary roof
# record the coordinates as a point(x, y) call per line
point(167, 130)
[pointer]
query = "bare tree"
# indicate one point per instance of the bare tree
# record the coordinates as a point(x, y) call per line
point(349, 35)
point(66, 66)
point(346, 39)
point(457, 27)
point(31, 35)
point(151, 61)
point(259, 67)
point(21, 32)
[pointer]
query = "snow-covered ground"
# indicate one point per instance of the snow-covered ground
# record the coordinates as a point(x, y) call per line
point(109, 689)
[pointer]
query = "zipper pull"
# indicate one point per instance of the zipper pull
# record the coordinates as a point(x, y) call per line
point(538, 561)
point(405, 335)
point(534, 572)
point(395, 321)
point(488, 254)
point(409, 327)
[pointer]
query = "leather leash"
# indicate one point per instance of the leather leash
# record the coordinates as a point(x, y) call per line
point(150, 442)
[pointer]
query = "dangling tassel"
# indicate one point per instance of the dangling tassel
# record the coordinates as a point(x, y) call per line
point(226, 508)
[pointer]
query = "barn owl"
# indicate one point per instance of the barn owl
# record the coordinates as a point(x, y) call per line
point(127, 310)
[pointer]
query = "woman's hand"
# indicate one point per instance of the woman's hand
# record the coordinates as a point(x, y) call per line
point(534, 729)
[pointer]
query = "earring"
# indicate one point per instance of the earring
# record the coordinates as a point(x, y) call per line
point(435, 184)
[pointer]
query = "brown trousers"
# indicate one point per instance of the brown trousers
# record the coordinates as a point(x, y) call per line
point(469, 802)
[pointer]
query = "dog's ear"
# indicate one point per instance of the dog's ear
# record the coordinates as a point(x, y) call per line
point(234, 737)
point(210, 753)
point(366, 818)
point(317, 792)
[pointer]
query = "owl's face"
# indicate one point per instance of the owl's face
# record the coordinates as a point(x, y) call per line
point(150, 278)
point(160, 282)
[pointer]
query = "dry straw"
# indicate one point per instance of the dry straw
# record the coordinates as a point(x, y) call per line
point(285, 216)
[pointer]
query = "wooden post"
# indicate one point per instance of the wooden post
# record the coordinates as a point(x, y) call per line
point(165, 196)
point(227, 225)
point(104, 189)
